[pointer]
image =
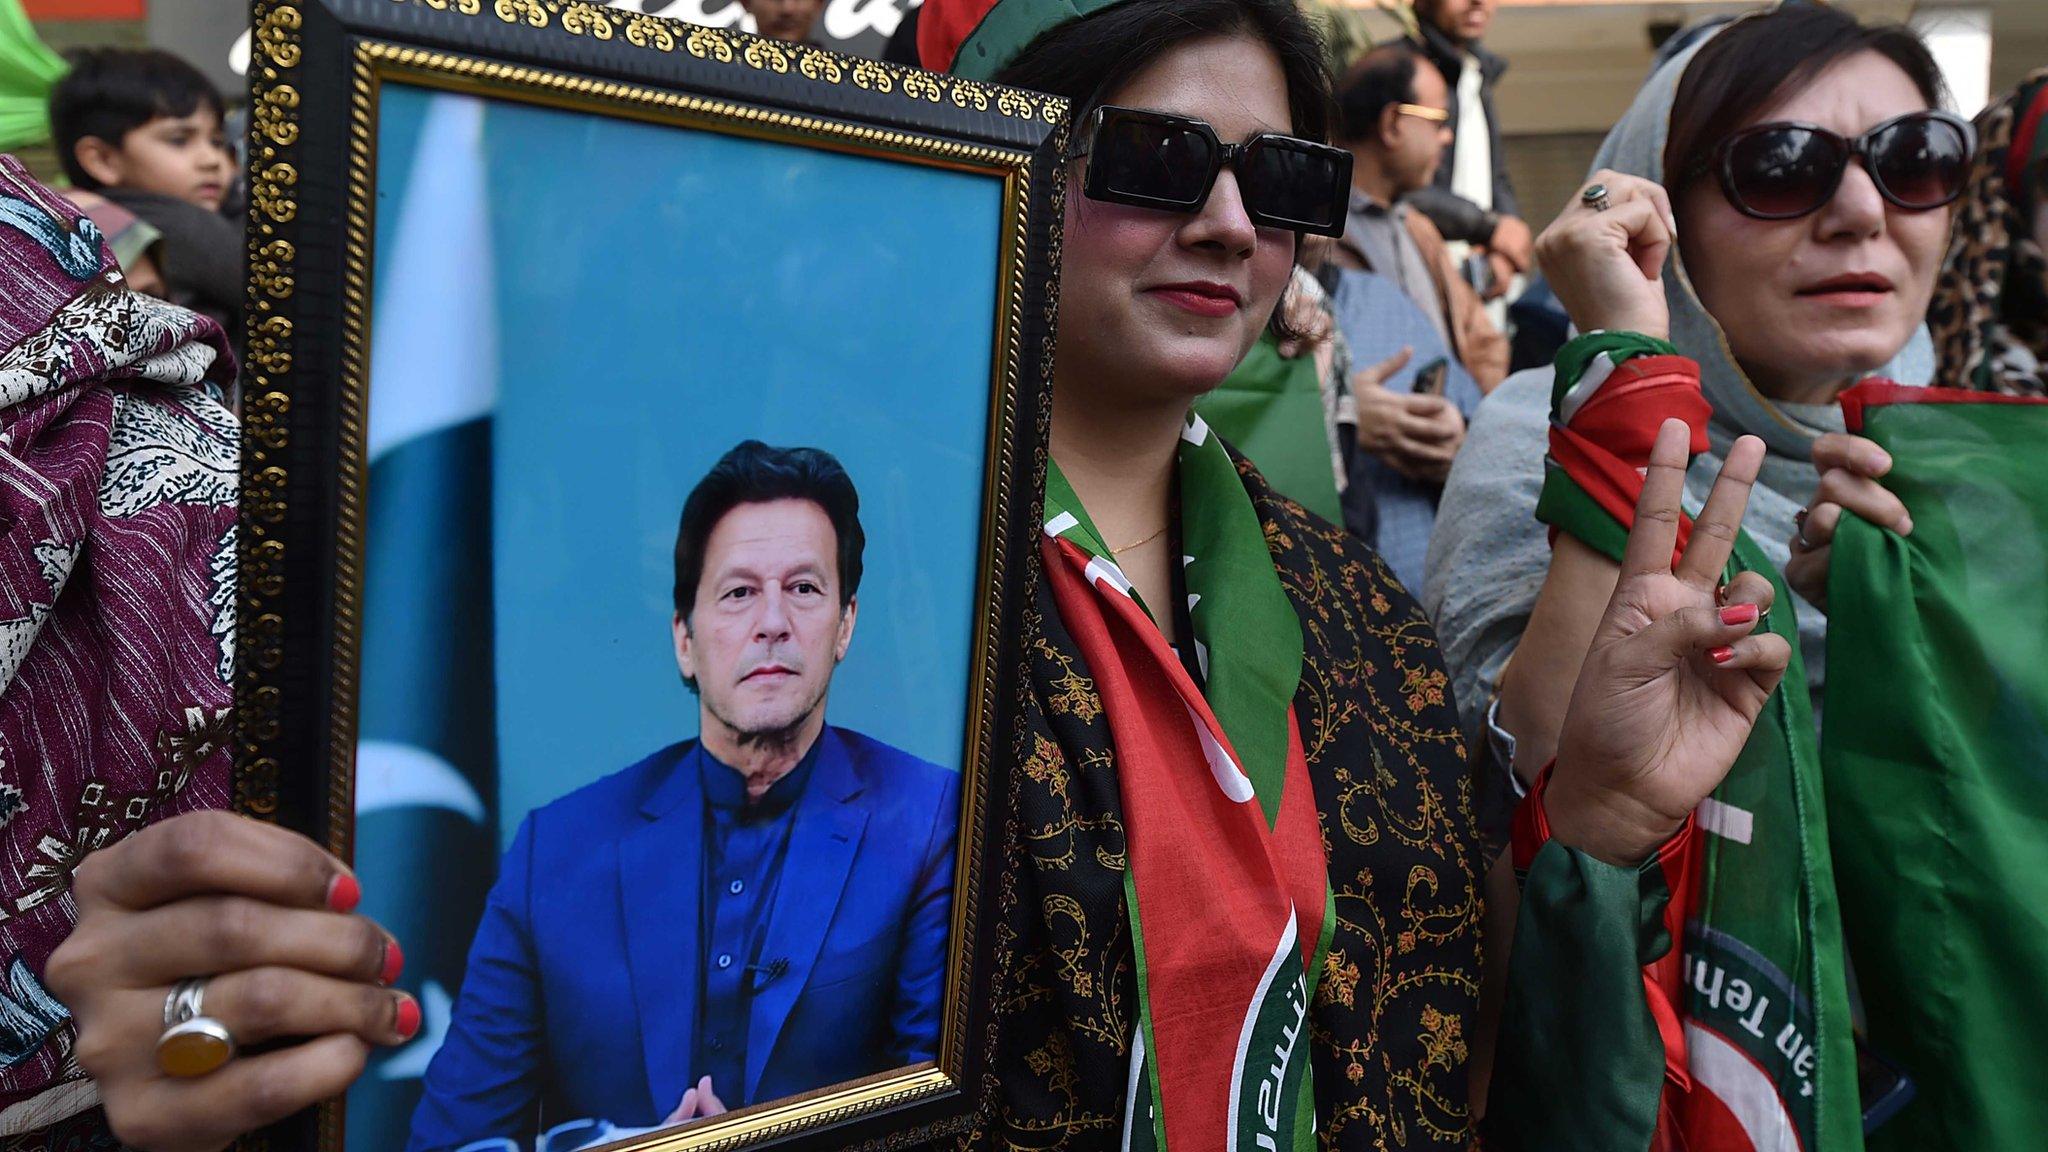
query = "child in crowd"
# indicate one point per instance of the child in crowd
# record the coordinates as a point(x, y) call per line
point(143, 129)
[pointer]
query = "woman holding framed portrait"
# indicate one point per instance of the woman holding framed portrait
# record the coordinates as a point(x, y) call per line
point(1165, 936)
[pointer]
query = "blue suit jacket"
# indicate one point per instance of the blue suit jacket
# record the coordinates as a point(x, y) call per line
point(580, 998)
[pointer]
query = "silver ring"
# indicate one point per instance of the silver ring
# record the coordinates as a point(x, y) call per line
point(1799, 537)
point(186, 1000)
point(192, 1043)
point(1595, 197)
point(194, 1048)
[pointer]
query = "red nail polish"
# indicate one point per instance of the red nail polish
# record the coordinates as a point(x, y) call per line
point(394, 963)
point(1738, 614)
point(408, 1018)
point(343, 893)
point(1721, 655)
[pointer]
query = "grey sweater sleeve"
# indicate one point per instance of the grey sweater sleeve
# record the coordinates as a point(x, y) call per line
point(1489, 554)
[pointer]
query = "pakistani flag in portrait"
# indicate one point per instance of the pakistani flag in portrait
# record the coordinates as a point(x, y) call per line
point(426, 826)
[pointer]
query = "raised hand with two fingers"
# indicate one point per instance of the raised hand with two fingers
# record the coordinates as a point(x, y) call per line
point(1678, 671)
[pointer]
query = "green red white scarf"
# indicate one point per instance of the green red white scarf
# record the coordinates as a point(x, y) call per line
point(1750, 1008)
point(1227, 887)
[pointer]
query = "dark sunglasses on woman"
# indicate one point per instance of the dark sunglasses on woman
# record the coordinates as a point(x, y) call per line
point(1155, 160)
point(1786, 169)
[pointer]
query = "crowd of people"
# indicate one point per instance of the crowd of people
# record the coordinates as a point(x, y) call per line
point(1515, 627)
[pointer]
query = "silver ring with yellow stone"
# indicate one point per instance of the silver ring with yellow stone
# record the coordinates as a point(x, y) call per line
point(193, 1043)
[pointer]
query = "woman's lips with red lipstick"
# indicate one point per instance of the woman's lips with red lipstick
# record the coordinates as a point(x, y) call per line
point(1201, 297)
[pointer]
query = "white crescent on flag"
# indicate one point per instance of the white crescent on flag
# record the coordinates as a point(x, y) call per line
point(394, 775)
point(1743, 1088)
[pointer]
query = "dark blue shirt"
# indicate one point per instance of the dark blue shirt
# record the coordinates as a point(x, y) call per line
point(744, 845)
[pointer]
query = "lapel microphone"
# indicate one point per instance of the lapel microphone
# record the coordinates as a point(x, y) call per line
point(766, 974)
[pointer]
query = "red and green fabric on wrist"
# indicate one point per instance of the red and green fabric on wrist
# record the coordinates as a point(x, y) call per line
point(1613, 391)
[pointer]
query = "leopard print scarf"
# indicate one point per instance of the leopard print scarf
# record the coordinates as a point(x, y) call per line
point(1989, 313)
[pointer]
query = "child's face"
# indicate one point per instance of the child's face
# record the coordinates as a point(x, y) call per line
point(182, 156)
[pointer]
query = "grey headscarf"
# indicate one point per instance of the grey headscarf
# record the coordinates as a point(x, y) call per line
point(1489, 556)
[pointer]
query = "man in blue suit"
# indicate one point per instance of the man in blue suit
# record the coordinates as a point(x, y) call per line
point(753, 914)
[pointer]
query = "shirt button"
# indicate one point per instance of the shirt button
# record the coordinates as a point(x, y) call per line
point(725, 959)
point(717, 1044)
point(736, 887)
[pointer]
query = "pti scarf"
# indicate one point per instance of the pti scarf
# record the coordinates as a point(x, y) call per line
point(1393, 1000)
point(1227, 889)
point(1741, 999)
point(1936, 751)
point(117, 597)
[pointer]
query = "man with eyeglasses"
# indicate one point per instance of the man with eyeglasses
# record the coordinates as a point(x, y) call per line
point(1401, 303)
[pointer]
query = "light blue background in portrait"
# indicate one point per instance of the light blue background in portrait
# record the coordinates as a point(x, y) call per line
point(661, 294)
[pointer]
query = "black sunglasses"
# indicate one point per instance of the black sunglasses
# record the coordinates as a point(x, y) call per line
point(1787, 169)
point(1154, 160)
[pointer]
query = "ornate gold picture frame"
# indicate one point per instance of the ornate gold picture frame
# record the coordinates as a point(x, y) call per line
point(696, 239)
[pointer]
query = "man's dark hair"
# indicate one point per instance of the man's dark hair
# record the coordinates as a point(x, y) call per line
point(1754, 61)
point(1085, 60)
point(111, 92)
point(1383, 76)
point(754, 473)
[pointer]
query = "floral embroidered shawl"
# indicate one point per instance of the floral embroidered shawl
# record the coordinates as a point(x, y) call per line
point(118, 480)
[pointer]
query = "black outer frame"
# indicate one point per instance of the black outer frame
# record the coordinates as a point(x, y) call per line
point(295, 701)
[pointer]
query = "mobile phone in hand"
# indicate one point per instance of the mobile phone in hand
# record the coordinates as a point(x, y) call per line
point(1431, 377)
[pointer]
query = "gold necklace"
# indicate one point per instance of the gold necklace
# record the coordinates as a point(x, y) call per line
point(1133, 544)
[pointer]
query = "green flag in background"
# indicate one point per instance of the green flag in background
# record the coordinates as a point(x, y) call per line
point(28, 70)
point(1935, 751)
point(1271, 411)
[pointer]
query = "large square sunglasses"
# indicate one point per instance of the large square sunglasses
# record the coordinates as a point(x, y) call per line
point(1156, 160)
point(1787, 169)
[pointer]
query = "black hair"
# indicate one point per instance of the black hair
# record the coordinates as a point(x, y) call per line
point(1755, 60)
point(110, 92)
point(754, 473)
point(1383, 76)
point(1085, 60)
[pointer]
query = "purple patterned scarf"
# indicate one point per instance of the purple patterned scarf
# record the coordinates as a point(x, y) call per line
point(118, 476)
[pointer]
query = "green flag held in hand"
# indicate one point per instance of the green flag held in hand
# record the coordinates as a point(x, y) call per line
point(1935, 753)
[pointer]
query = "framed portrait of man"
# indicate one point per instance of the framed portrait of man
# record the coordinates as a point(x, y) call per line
point(643, 426)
